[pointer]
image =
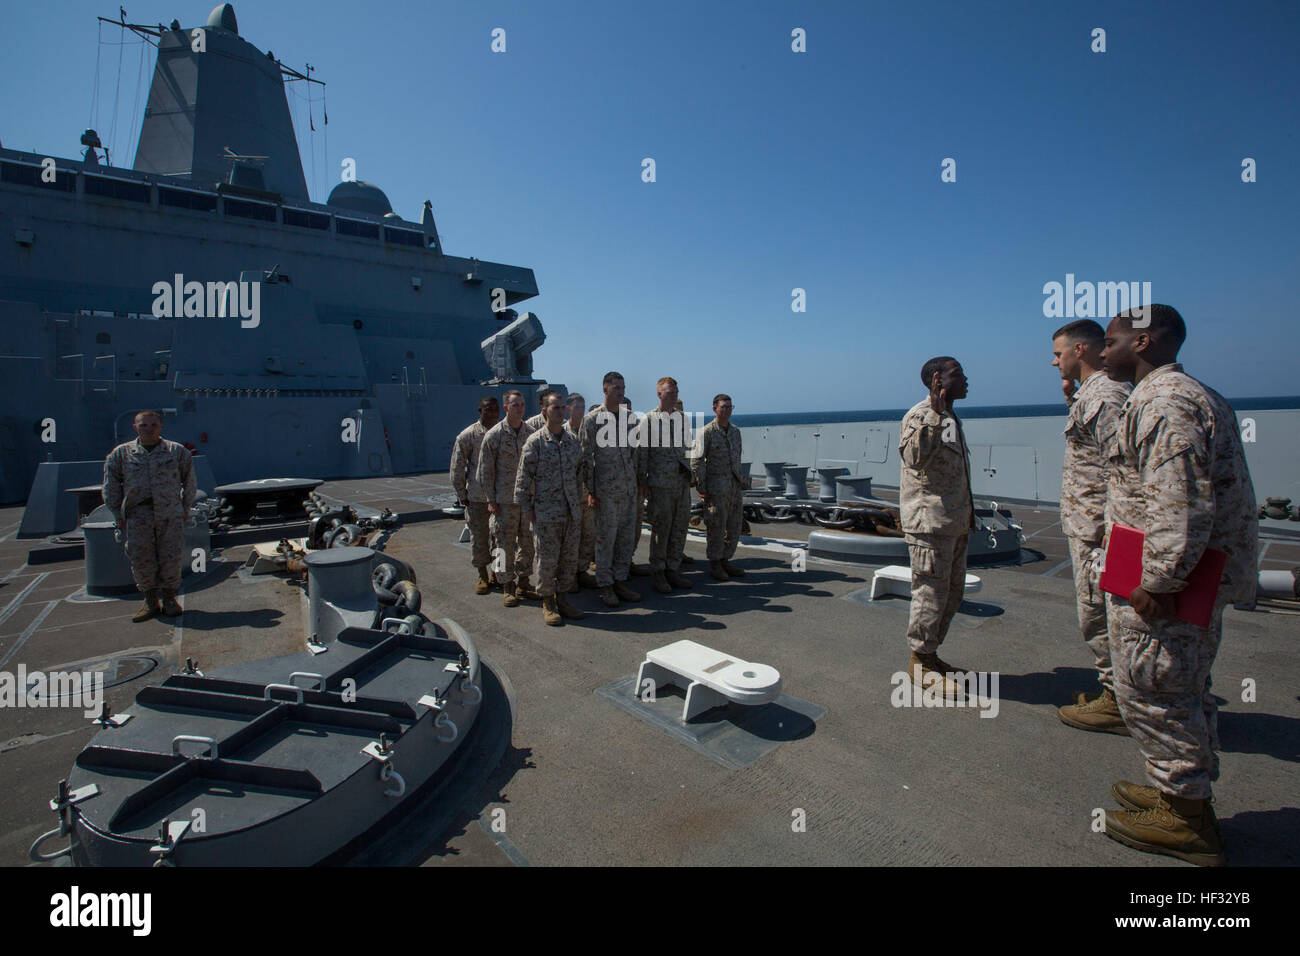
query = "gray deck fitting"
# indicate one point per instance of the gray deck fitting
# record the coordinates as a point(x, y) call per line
point(734, 736)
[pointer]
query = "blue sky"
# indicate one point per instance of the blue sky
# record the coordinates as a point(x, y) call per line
point(779, 170)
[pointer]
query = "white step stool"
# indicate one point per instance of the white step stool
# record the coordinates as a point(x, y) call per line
point(710, 678)
point(896, 579)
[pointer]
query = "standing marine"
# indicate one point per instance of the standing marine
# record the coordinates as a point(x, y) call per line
point(469, 493)
point(149, 487)
point(577, 408)
point(549, 489)
point(498, 464)
point(1095, 407)
point(664, 442)
point(609, 474)
point(1179, 476)
point(720, 480)
point(938, 513)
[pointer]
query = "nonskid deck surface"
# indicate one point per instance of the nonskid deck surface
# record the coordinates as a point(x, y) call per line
point(586, 783)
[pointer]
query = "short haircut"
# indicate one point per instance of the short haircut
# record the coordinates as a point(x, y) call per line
point(609, 377)
point(666, 380)
point(936, 364)
point(721, 396)
point(1088, 331)
point(148, 411)
point(488, 400)
point(574, 398)
point(505, 399)
point(1165, 324)
point(547, 396)
point(544, 394)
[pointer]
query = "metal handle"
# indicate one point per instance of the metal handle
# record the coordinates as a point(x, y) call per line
point(445, 721)
point(297, 691)
point(404, 628)
point(466, 686)
point(387, 773)
point(319, 678)
point(191, 739)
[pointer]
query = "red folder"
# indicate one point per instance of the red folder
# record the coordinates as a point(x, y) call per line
point(1123, 572)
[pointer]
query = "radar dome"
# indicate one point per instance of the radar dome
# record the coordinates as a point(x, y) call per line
point(360, 197)
point(223, 17)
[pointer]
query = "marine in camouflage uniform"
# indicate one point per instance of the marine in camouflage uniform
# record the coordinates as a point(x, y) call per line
point(149, 487)
point(498, 464)
point(576, 404)
point(938, 513)
point(609, 474)
point(1089, 434)
point(721, 483)
point(464, 479)
point(664, 440)
point(1179, 475)
point(548, 488)
point(538, 421)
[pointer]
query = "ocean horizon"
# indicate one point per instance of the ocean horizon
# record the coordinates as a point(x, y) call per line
point(1047, 410)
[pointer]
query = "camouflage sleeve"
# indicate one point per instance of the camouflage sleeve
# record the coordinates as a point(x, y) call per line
point(1176, 486)
point(1107, 423)
point(487, 466)
point(189, 487)
point(113, 486)
point(459, 464)
point(526, 476)
point(587, 441)
point(641, 451)
point(699, 458)
point(918, 445)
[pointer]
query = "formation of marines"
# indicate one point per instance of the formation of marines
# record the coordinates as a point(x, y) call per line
point(1147, 447)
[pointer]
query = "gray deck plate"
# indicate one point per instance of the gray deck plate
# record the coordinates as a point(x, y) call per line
point(735, 736)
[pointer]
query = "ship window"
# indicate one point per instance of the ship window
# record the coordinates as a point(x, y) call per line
point(363, 230)
point(403, 237)
point(22, 175)
point(116, 189)
point(184, 199)
point(250, 210)
point(306, 220)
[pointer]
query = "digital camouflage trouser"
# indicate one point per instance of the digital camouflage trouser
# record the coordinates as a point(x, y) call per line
point(557, 555)
point(670, 513)
point(514, 536)
point(1091, 605)
point(724, 516)
point(938, 582)
point(156, 549)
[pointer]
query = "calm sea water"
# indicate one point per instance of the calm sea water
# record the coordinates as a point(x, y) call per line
point(1053, 410)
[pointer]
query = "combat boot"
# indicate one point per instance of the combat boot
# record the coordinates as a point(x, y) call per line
point(169, 606)
point(608, 596)
point(149, 608)
point(717, 572)
point(550, 613)
point(1101, 715)
point(1082, 697)
point(510, 598)
point(676, 580)
point(731, 569)
point(1136, 797)
point(587, 580)
point(920, 666)
point(1179, 827)
point(687, 559)
point(639, 570)
point(483, 585)
point(568, 610)
point(661, 583)
point(525, 591)
point(625, 593)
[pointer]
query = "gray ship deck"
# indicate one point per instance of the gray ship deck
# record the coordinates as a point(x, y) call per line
point(585, 782)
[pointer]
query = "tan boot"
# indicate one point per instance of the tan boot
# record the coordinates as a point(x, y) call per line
point(568, 610)
point(1134, 796)
point(717, 572)
point(550, 613)
point(1101, 715)
point(170, 608)
point(731, 569)
point(661, 583)
point(525, 591)
point(676, 580)
point(149, 608)
point(922, 666)
point(608, 596)
point(510, 598)
point(1180, 827)
point(483, 585)
point(625, 593)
